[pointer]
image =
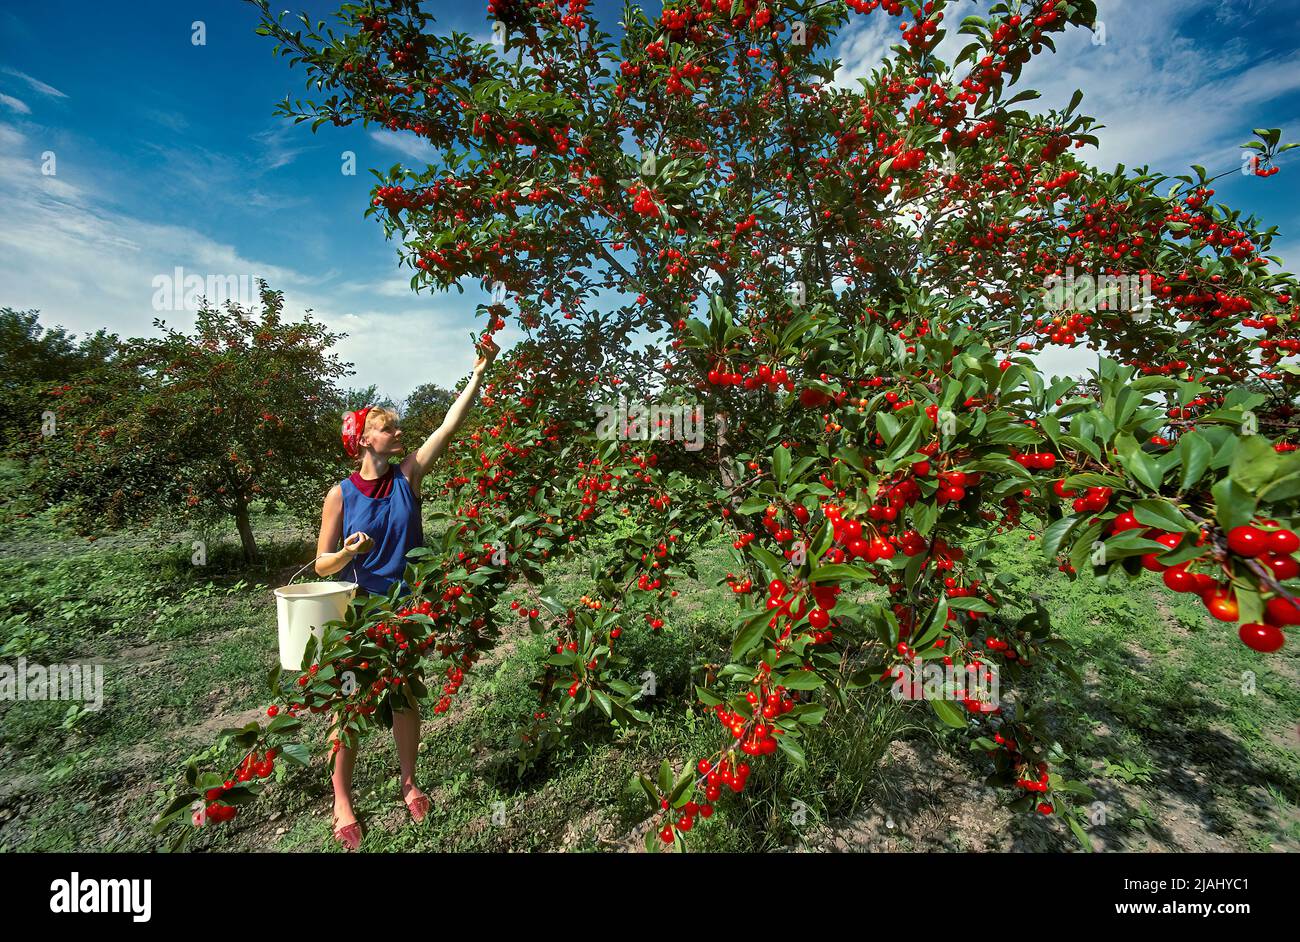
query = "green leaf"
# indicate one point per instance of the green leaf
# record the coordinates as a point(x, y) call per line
point(767, 559)
point(791, 748)
point(809, 714)
point(781, 465)
point(679, 795)
point(836, 572)
point(971, 605)
point(1079, 832)
point(948, 713)
point(1194, 454)
point(1130, 543)
point(852, 459)
point(283, 723)
point(1250, 607)
point(1137, 462)
point(708, 697)
point(1090, 479)
point(748, 636)
point(803, 680)
point(938, 619)
point(181, 801)
point(1056, 533)
point(1162, 514)
point(1254, 463)
point(1233, 506)
point(648, 788)
point(296, 752)
point(1082, 548)
point(1283, 488)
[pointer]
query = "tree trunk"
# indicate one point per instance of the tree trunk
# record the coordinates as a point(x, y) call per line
point(245, 532)
point(724, 460)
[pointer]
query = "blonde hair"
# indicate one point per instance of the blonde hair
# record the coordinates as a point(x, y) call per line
point(376, 418)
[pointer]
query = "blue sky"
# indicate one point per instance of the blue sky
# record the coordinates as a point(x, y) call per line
point(167, 154)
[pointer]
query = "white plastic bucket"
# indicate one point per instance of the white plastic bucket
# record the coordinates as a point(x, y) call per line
point(302, 610)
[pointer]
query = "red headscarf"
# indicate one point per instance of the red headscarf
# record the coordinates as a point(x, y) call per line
point(354, 423)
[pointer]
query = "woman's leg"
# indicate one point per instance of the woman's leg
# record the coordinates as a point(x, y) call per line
point(406, 733)
point(344, 761)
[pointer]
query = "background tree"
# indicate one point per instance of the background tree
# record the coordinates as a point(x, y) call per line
point(424, 410)
point(201, 426)
point(32, 358)
point(352, 399)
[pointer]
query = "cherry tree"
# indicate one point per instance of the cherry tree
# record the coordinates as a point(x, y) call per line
point(831, 298)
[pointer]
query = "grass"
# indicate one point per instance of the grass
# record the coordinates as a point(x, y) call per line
point(1187, 736)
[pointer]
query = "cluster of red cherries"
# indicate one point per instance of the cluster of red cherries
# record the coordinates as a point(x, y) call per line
point(1271, 548)
point(252, 767)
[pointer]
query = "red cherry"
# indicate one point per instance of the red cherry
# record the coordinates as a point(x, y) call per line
point(824, 596)
point(1284, 567)
point(1221, 603)
point(1281, 611)
point(1283, 542)
point(818, 619)
point(1151, 560)
point(1265, 638)
point(1247, 541)
point(1125, 521)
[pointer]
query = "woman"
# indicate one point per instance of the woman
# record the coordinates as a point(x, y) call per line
point(379, 507)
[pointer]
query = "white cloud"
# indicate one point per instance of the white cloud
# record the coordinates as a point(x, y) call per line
point(10, 102)
point(66, 251)
point(1166, 100)
point(35, 83)
point(10, 138)
point(417, 148)
point(277, 151)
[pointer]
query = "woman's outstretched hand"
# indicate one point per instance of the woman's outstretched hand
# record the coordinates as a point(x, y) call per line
point(488, 351)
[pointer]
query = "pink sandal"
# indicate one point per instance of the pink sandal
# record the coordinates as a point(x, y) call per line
point(349, 836)
point(418, 807)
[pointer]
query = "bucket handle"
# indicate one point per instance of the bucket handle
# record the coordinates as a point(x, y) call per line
point(305, 565)
point(299, 572)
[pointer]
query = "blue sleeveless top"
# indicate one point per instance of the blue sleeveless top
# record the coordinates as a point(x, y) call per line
point(393, 523)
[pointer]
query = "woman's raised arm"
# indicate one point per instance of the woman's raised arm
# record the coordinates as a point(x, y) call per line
point(436, 444)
